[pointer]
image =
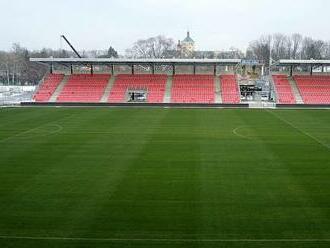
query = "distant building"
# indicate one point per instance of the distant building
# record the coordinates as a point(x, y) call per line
point(186, 47)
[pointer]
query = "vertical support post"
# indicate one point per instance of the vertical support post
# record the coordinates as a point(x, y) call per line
point(194, 69)
point(311, 72)
point(153, 69)
point(215, 70)
point(92, 69)
point(133, 72)
point(322, 69)
point(291, 70)
point(112, 69)
point(51, 68)
point(71, 69)
point(173, 69)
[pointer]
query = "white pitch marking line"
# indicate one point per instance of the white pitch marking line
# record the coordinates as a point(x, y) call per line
point(164, 239)
point(302, 131)
point(59, 129)
point(235, 131)
point(36, 128)
point(19, 134)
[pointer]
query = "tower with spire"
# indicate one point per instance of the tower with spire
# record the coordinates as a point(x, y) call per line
point(186, 47)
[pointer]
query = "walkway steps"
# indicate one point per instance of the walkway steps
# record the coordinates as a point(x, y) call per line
point(59, 89)
point(108, 89)
point(168, 90)
point(218, 96)
point(295, 90)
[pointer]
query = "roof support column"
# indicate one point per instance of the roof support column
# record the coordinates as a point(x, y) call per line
point(133, 72)
point(215, 69)
point(194, 69)
point(291, 70)
point(322, 69)
point(71, 69)
point(51, 68)
point(112, 69)
point(92, 69)
point(311, 71)
point(173, 70)
point(153, 69)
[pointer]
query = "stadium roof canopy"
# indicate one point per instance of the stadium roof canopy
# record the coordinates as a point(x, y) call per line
point(312, 62)
point(108, 61)
point(69, 62)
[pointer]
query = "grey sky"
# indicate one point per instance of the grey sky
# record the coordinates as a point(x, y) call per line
point(214, 24)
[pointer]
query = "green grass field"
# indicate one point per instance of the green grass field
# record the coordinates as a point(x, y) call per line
point(100, 177)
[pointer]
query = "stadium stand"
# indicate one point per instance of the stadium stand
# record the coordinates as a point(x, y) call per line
point(284, 90)
point(84, 88)
point(48, 87)
point(154, 85)
point(314, 89)
point(229, 89)
point(87, 88)
point(193, 89)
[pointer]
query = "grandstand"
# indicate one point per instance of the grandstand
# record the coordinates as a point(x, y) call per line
point(223, 87)
point(184, 89)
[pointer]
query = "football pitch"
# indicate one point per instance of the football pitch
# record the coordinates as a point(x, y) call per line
point(103, 177)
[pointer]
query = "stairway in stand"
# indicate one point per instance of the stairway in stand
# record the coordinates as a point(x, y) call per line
point(59, 89)
point(108, 89)
point(217, 82)
point(167, 98)
point(296, 91)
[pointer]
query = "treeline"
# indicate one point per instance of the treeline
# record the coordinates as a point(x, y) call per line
point(278, 46)
point(16, 69)
point(281, 46)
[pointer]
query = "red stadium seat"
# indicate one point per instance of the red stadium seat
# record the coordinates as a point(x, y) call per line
point(314, 89)
point(48, 87)
point(155, 86)
point(229, 89)
point(284, 90)
point(84, 88)
point(193, 89)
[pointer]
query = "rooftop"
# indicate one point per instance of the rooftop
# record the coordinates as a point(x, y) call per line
point(188, 39)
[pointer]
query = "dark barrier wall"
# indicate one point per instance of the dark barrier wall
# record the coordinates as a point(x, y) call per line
point(135, 105)
point(303, 106)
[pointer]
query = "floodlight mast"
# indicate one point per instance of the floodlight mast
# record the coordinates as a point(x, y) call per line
point(270, 55)
point(68, 42)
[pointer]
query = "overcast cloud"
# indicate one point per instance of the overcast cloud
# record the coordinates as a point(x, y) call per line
point(214, 24)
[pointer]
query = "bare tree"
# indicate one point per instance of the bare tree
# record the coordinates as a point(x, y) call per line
point(296, 45)
point(260, 49)
point(288, 47)
point(326, 50)
point(154, 47)
point(280, 47)
point(312, 49)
